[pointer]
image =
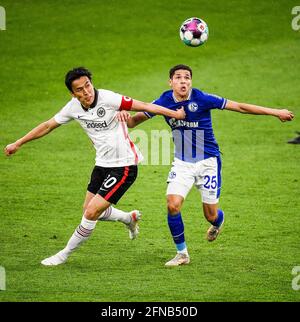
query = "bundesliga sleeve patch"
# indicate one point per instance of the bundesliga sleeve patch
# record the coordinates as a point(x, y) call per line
point(126, 103)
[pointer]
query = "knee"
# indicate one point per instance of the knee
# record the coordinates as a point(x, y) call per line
point(174, 207)
point(91, 213)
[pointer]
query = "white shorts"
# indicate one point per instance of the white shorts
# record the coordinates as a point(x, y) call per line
point(204, 174)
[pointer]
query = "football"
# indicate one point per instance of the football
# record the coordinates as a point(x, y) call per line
point(194, 32)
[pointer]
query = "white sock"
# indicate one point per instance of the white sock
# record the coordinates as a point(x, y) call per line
point(81, 233)
point(114, 214)
point(184, 251)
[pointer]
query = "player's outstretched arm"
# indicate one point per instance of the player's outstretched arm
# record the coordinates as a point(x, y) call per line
point(39, 131)
point(156, 109)
point(132, 121)
point(137, 119)
point(282, 114)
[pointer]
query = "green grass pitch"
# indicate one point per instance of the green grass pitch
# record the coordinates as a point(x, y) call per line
point(252, 55)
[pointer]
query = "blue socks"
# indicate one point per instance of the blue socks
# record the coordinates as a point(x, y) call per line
point(177, 230)
point(218, 222)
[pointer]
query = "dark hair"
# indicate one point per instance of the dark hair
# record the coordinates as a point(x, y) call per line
point(177, 67)
point(76, 73)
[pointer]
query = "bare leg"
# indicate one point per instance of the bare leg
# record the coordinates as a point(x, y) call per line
point(94, 208)
point(216, 217)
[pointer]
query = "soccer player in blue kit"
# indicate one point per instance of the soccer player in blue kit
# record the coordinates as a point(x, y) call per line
point(197, 156)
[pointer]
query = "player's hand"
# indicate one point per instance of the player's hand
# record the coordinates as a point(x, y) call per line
point(285, 115)
point(123, 116)
point(180, 114)
point(11, 148)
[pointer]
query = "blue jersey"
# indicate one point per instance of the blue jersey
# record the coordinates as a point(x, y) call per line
point(193, 137)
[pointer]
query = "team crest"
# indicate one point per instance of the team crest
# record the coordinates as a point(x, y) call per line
point(193, 107)
point(101, 112)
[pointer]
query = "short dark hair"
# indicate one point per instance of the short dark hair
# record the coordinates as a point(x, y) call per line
point(76, 73)
point(177, 67)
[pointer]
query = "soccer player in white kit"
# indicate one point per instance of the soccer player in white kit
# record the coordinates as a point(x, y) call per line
point(116, 155)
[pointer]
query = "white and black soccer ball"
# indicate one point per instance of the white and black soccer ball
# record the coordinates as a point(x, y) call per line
point(194, 32)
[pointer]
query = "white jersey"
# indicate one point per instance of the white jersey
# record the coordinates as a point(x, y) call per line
point(109, 136)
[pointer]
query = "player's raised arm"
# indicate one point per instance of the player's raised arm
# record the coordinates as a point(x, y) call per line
point(156, 109)
point(39, 131)
point(282, 114)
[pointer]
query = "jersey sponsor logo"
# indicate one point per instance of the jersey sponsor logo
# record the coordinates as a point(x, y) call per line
point(101, 112)
point(177, 123)
point(193, 107)
point(96, 125)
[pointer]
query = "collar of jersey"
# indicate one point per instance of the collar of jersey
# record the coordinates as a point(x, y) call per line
point(175, 99)
point(94, 102)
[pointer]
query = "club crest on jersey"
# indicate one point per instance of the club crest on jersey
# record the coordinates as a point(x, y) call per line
point(101, 112)
point(193, 107)
point(172, 174)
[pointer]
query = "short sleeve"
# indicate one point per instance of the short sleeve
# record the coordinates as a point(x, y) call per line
point(64, 116)
point(214, 101)
point(115, 100)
